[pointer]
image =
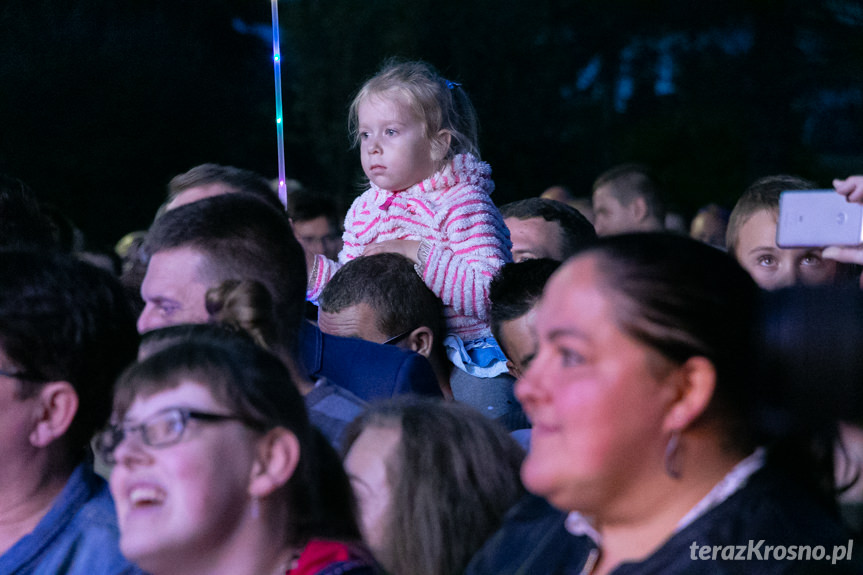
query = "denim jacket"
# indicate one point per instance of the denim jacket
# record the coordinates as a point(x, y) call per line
point(78, 535)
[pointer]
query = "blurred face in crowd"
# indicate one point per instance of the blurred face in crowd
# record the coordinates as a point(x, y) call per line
point(173, 291)
point(518, 338)
point(597, 399)
point(708, 228)
point(534, 238)
point(610, 216)
point(773, 267)
point(367, 465)
point(318, 236)
point(175, 500)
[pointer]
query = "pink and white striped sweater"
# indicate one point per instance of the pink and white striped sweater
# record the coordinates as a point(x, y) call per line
point(460, 227)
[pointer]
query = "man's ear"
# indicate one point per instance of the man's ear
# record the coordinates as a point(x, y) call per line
point(440, 145)
point(421, 340)
point(638, 209)
point(513, 370)
point(696, 383)
point(55, 408)
point(276, 459)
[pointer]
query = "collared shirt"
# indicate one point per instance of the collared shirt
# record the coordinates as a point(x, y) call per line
point(733, 481)
point(78, 535)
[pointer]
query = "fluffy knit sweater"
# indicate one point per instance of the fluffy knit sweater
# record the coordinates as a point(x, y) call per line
point(464, 239)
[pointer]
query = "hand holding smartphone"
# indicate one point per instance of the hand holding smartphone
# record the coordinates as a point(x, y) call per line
point(818, 218)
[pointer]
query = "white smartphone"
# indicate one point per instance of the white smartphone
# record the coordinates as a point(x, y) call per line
point(818, 218)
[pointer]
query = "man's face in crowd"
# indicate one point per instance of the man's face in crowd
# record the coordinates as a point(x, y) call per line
point(173, 290)
point(534, 238)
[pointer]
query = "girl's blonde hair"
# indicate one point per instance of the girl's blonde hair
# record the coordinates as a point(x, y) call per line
point(440, 104)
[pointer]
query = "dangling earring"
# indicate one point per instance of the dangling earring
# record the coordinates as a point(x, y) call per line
point(255, 508)
point(672, 452)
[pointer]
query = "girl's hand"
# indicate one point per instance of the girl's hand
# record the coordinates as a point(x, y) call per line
point(851, 188)
point(407, 248)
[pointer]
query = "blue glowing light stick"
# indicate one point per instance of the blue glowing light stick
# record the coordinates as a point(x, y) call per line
point(280, 128)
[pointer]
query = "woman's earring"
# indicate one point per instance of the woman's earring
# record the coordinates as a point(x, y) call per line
point(255, 508)
point(672, 455)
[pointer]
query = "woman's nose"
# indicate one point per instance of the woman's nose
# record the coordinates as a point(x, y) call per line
point(529, 387)
point(130, 451)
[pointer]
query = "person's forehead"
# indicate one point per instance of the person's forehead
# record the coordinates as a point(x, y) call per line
point(535, 235)
point(518, 333)
point(385, 104)
point(189, 394)
point(577, 279)
point(176, 265)
point(358, 320)
point(759, 230)
point(533, 223)
point(367, 458)
point(174, 277)
point(605, 195)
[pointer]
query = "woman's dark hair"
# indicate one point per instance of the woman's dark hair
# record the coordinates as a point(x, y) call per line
point(683, 299)
point(255, 384)
point(453, 476)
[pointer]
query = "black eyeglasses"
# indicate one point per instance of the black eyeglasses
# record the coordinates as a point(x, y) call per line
point(397, 338)
point(163, 428)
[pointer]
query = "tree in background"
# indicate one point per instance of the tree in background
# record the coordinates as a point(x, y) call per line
point(101, 103)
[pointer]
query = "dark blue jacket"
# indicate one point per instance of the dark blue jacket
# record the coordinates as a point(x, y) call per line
point(369, 370)
point(770, 509)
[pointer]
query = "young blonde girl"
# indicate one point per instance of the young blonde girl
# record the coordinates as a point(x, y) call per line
point(428, 199)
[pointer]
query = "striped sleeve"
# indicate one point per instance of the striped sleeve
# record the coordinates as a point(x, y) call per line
point(476, 244)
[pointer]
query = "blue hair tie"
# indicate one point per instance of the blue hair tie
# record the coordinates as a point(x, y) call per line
point(450, 84)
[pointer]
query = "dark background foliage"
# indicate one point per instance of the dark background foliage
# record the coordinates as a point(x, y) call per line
point(102, 102)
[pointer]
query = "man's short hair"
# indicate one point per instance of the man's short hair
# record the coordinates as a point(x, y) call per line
point(240, 238)
point(575, 229)
point(515, 290)
point(304, 205)
point(237, 179)
point(389, 284)
point(62, 319)
point(630, 181)
point(762, 195)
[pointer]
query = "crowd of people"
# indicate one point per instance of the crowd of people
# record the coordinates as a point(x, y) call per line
point(430, 384)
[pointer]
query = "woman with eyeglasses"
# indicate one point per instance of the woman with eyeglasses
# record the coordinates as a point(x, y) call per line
point(217, 469)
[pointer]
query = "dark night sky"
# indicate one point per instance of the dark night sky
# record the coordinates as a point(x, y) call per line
point(101, 103)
